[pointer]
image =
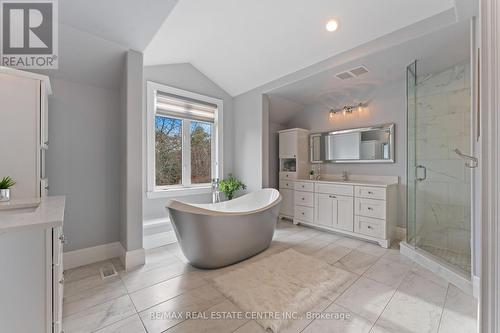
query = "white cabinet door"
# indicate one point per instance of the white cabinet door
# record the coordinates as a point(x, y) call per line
point(288, 144)
point(287, 204)
point(324, 209)
point(344, 219)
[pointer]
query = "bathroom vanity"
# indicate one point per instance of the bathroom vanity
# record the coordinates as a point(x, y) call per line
point(31, 282)
point(31, 238)
point(364, 207)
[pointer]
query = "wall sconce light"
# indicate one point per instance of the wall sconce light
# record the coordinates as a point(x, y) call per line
point(347, 109)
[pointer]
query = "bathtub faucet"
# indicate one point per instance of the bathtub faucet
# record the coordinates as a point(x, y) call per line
point(215, 190)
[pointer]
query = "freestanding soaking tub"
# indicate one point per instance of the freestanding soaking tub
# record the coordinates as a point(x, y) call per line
point(220, 234)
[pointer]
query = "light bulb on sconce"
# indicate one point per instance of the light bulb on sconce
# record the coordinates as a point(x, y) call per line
point(348, 109)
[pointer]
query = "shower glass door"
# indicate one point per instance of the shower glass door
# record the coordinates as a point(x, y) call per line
point(438, 166)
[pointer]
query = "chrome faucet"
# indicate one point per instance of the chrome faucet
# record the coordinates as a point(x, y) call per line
point(345, 176)
point(215, 190)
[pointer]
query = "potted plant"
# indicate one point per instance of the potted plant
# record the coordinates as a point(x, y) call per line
point(5, 184)
point(230, 185)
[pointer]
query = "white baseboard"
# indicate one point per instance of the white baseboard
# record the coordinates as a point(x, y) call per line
point(132, 259)
point(91, 255)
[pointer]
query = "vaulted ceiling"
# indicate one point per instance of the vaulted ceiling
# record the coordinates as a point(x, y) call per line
point(244, 44)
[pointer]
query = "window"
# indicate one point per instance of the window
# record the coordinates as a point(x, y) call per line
point(184, 139)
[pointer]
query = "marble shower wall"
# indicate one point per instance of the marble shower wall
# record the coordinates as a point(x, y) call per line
point(442, 125)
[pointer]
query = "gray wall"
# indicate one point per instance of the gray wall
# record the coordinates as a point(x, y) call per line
point(131, 152)
point(187, 77)
point(83, 161)
point(387, 106)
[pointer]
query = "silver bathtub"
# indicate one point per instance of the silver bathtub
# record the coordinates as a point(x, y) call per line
point(220, 234)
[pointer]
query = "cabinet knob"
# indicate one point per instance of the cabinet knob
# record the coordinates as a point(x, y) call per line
point(370, 208)
point(332, 196)
point(370, 192)
point(303, 199)
point(303, 213)
point(370, 227)
point(62, 238)
point(61, 281)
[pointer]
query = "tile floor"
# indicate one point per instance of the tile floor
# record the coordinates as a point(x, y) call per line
point(390, 293)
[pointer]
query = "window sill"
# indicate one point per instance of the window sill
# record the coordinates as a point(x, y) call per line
point(178, 192)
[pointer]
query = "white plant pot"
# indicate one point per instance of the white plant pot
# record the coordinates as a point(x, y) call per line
point(4, 195)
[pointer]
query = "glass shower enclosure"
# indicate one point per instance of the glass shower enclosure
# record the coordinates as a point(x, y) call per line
point(439, 165)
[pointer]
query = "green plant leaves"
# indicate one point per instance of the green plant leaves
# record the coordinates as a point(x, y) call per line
point(6, 183)
point(230, 185)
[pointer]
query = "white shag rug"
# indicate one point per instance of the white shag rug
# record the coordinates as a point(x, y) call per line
point(287, 282)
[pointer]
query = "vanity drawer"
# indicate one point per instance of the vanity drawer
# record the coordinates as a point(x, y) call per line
point(370, 208)
point(286, 184)
point(288, 175)
point(334, 189)
point(304, 213)
point(369, 226)
point(304, 198)
point(304, 186)
point(370, 192)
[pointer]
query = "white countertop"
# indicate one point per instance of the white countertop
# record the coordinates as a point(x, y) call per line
point(26, 214)
point(350, 182)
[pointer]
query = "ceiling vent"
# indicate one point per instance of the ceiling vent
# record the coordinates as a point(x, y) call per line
point(344, 75)
point(355, 72)
point(359, 71)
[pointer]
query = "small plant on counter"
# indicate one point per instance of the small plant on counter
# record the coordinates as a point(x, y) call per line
point(6, 183)
point(230, 185)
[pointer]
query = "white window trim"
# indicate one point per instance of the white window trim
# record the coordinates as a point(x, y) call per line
point(217, 145)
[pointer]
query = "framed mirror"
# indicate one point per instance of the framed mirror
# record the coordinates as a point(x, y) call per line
point(359, 145)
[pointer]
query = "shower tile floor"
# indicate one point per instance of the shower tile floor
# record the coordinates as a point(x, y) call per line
point(390, 293)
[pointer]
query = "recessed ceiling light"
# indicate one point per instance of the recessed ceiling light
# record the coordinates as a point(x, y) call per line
point(332, 25)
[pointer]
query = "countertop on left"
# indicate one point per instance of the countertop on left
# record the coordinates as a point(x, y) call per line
point(48, 214)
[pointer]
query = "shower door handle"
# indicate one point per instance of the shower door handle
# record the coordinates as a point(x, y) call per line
point(471, 161)
point(419, 179)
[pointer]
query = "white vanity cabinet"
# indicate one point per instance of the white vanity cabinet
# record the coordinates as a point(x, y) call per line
point(334, 211)
point(366, 211)
point(31, 256)
point(287, 203)
point(294, 162)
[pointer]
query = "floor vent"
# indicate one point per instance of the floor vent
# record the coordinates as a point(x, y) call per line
point(107, 271)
